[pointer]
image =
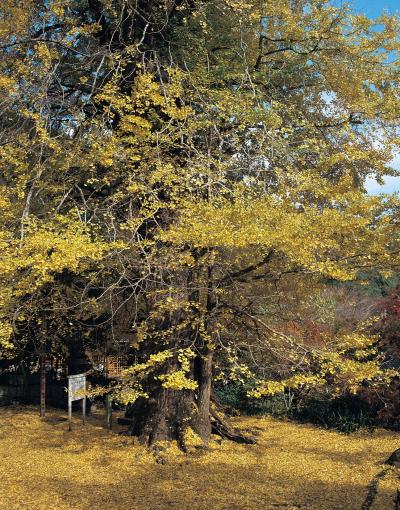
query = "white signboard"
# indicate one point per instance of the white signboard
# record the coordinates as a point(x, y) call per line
point(76, 391)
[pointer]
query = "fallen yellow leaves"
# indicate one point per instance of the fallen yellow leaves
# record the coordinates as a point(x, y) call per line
point(45, 467)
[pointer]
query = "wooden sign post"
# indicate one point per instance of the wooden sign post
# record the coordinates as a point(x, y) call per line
point(42, 385)
point(108, 411)
point(76, 391)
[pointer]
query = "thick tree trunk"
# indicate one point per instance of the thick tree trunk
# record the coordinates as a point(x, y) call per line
point(201, 422)
point(161, 417)
point(167, 414)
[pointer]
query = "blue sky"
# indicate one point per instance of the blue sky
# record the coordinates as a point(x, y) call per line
point(374, 8)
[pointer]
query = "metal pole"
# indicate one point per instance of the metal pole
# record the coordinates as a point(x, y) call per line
point(84, 410)
point(69, 411)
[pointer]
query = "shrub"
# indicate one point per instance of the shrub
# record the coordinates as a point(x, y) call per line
point(234, 395)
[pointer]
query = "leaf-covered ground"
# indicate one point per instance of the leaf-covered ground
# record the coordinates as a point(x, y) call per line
point(43, 466)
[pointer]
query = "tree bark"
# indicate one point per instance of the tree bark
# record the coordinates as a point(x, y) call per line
point(201, 422)
point(161, 417)
point(167, 414)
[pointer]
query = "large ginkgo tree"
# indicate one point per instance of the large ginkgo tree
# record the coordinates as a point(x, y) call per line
point(172, 169)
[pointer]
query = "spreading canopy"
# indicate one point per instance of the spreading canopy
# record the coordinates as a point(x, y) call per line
point(166, 167)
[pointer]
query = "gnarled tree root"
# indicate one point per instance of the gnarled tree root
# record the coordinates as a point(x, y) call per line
point(220, 427)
